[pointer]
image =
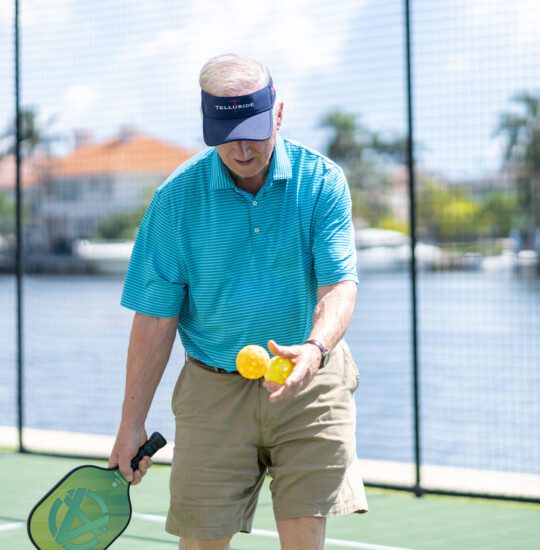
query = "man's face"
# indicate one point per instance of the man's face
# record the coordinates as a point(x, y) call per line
point(249, 159)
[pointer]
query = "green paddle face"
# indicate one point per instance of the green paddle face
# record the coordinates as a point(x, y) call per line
point(87, 509)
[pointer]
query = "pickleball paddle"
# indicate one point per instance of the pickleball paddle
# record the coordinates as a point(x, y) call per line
point(88, 509)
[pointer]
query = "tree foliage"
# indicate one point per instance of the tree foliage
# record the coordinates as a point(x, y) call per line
point(124, 225)
point(445, 213)
point(7, 215)
point(362, 153)
point(452, 215)
point(497, 214)
point(353, 143)
point(521, 130)
point(120, 226)
point(35, 136)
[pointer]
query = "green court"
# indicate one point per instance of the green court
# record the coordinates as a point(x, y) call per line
point(396, 521)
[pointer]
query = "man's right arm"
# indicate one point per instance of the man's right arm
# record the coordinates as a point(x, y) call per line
point(150, 346)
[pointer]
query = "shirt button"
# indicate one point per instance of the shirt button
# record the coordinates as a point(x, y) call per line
point(256, 230)
point(254, 203)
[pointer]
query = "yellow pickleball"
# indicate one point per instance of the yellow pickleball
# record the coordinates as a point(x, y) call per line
point(279, 369)
point(252, 361)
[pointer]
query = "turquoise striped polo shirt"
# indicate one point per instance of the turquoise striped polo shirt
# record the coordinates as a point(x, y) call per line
point(241, 269)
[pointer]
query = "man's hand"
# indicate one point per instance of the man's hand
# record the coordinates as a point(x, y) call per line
point(306, 359)
point(125, 448)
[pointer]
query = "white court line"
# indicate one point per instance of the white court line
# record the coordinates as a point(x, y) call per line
point(257, 532)
point(274, 535)
point(12, 526)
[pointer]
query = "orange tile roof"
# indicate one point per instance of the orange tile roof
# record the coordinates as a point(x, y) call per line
point(139, 153)
point(32, 170)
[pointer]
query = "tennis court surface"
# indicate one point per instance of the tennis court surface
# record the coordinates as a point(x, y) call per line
point(396, 521)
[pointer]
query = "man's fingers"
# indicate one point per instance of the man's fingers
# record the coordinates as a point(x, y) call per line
point(113, 460)
point(137, 477)
point(125, 468)
point(275, 389)
point(141, 471)
point(295, 382)
point(145, 464)
point(291, 387)
point(125, 448)
point(271, 386)
point(299, 376)
point(280, 394)
point(282, 351)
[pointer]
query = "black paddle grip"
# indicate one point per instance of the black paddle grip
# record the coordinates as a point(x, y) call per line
point(152, 446)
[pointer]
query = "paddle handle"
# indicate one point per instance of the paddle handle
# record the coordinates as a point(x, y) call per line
point(151, 447)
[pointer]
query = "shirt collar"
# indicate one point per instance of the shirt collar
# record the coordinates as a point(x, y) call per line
point(280, 168)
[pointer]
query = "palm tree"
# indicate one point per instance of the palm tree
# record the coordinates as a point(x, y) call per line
point(522, 153)
point(352, 141)
point(344, 145)
point(359, 151)
point(34, 136)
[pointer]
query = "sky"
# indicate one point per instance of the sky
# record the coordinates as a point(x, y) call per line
point(101, 64)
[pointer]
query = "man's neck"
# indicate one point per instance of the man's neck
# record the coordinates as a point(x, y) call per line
point(252, 184)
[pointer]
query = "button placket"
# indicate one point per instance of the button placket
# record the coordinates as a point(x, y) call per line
point(257, 220)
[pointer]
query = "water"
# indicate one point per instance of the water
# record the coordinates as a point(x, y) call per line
point(479, 356)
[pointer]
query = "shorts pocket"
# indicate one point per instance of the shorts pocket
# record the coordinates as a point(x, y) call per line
point(352, 369)
point(175, 399)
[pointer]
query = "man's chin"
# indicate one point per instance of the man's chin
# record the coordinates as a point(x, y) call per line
point(245, 172)
point(249, 167)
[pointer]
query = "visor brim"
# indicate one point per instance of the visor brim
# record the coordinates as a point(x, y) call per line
point(259, 127)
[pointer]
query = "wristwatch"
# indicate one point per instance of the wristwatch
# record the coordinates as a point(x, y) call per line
point(325, 353)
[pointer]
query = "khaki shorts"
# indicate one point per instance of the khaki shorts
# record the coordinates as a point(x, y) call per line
point(228, 435)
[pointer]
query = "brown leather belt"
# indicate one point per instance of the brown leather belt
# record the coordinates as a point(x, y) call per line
point(208, 367)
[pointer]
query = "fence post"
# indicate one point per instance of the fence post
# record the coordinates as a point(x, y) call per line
point(19, 253)
point(412, 224)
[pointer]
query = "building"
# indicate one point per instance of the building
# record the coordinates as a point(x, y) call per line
point(31, 172)
point(97, 180)
point(397, 195)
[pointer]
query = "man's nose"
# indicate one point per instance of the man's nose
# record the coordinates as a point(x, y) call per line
point(242, 148)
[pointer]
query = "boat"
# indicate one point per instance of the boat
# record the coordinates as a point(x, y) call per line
point(389, 250)
point(528, 261)
point(525, 261)
point(107, 257)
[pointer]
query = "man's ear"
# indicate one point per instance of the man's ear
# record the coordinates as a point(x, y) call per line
point(279, 117)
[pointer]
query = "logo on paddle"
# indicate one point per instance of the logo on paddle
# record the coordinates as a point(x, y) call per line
point(77, 521)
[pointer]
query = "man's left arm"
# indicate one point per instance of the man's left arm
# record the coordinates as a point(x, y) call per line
point(335, 305)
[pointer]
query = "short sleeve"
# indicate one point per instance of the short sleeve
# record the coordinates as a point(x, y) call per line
point(155, 283)
point(334, 249)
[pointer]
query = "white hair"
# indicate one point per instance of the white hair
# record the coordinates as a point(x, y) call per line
point(233, 75)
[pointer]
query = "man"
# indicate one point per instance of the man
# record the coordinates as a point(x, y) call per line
point(248, 242)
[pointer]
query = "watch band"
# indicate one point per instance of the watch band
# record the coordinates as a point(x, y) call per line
point(325, 353)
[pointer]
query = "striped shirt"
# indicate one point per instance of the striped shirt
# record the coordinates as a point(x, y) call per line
point(240, 269)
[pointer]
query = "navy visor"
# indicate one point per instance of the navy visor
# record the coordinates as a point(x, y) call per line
point(234, 118)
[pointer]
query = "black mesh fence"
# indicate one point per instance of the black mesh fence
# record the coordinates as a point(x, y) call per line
point(109, 107)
